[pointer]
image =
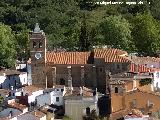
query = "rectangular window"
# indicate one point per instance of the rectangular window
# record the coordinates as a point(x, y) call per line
point(100, 69)
point(57, 99)
point(118, 67)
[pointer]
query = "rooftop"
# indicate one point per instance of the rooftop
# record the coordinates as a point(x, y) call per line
point(109, 55)
point(142, 60)
point(30, 89)
point(77, 91)
point(35, 115)
point(9, 72)
point(38, 114)
point(4, 91)
point(18, 106)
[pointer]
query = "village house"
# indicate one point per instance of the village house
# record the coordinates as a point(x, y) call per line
point(79, 102)
point(152, 65)
point(140, 98)
point(12, 109)
point(12, 78)
point(34, 115)
point(125, 85)
point(27, 95)
point(52, 96)
point(25, 68)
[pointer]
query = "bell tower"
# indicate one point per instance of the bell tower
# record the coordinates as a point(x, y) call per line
point(38, 55)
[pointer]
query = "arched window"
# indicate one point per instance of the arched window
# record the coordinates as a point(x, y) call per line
point(116, 89)
point(34, 44)
point(40, 45)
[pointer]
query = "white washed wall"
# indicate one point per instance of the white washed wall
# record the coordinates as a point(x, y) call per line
point(23, 78)
point(43, 99)
point(156, 79)
point(55, 94)
point(32, 97)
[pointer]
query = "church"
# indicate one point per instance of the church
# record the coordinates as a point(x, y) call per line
point(90, 69)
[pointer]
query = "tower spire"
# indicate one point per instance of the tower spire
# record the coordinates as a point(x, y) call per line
point(37, 28)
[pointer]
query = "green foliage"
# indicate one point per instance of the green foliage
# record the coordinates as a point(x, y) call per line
point(146, 34)
point(117, 32)
point(22, 47)
point(80, 24)
point(145, 81)
point(7, 46)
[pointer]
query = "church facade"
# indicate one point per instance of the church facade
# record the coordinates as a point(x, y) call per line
point(90, 69)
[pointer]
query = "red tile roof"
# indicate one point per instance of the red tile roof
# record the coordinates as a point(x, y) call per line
point(110, 55)
point(141, 68)
point(67, 57)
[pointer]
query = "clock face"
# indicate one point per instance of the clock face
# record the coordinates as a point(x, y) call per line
point(38, 55)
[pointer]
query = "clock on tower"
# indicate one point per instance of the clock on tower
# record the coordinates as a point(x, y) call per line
point(38, 55)
point(37, 45)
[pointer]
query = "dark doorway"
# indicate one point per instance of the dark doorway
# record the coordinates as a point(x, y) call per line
point(116, 89)
point(62, 81)
point(87, 111)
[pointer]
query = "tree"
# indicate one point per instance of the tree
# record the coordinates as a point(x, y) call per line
point(116, 32)
point(7, 46)
point(22, 47)
point(145, 34)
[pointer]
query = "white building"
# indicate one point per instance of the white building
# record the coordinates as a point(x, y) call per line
point(13, 78)
point(23, 78)
point(52, 96)
point(31, 92)
point(156, 82)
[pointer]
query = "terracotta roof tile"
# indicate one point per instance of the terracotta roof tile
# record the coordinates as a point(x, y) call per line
point(110, 55)
point(67, 57)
